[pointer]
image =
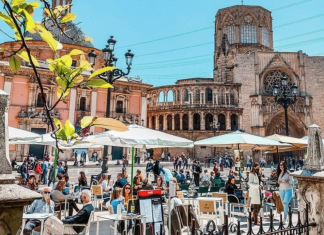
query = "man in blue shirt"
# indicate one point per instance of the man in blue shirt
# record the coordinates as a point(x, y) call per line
point(60, 168)
point(181, 177)
point(45, 170)
point(39, 206)
point(120, 181)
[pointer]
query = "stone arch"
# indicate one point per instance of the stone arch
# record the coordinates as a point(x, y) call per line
point(177, 122)
point(273, 76)
point(276, 124)
point(161, 122)
point(248, 28)
point(196, 121)
point(185, 122)
point(209, 121)
point(170, 96)
point(229, 28)
point(153, 122)
point(169, 122)
point(222, 121)
point(161, 97)
point(234, 122)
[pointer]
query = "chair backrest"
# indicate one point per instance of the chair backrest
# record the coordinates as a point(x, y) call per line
point(110, 209)
point(203, 189)
point(96, 189)
point(184, 187)
point(232, 198)
point(222, 195)
point(214, 189)
point(217, 182)
point(206, 206)
point(238, 193)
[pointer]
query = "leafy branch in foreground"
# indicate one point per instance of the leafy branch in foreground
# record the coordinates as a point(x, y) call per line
point(18, 16)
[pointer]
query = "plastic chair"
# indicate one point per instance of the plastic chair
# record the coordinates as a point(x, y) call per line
point(214, 189)
point(235, 204)
point(98, 196)
point(184, 187)
point(206, 210)
point(238, 183)
point(203, 190)
point(217, 182)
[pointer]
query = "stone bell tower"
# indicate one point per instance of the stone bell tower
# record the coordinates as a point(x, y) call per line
point(239, 29)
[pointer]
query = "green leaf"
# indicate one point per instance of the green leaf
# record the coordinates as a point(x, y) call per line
point(85, 65)
point(59, 92)
point(48, 37)
point(24, 56)
point(86, 121)
point(57, 123)
point(69, 129)
point(98, 83)
point(66, 60)
point(14, 64)
point(29, 22)
point(76, 52)
point(8, 20)
point(68, 17)
point(61, 82)
point(17, 2)
point(100, 71)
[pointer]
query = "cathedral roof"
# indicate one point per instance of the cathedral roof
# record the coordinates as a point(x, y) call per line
point(70, 29)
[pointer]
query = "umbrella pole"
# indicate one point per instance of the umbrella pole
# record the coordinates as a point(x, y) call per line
point(132, 171)
point(278, 154)
point(240, 161)
point(54, 167)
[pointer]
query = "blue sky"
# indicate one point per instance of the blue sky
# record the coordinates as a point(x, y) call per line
point(141, 25)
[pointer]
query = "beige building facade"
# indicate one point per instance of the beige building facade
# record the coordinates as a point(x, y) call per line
point(240, 95)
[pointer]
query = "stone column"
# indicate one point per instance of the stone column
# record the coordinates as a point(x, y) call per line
point(311, 182)
point(181, 97)
point(12, 196)
point(165, 118)
point(157, 126)
point(172, 122)
point(228, 121)
point(180, 121)
point(190, 121)
point(202, 121)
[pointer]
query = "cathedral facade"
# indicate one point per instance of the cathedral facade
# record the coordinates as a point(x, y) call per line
point(240, 95)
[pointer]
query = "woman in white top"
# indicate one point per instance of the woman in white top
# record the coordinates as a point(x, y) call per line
point(285, 182)
point(103, 182)
point(255, 186)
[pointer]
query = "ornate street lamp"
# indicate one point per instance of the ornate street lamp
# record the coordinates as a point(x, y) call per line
point(285, 98)
point(47, 121)
point(110, 77)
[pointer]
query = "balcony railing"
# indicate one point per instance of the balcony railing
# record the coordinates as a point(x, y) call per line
point(178, 105)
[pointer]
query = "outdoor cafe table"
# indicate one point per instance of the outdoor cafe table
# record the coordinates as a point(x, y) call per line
point(37, 216)
point(216, 200)
point(113, 217)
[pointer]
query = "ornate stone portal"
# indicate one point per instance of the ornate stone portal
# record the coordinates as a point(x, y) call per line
point(12, 196)
point(311, 181)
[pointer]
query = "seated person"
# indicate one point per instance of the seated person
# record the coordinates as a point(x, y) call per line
point(212, 176)
point(55, 226)
point(120, 182)
point(230, 186)
point(39, 206)
point(137, 186)
point(59, 177)
point(146, 185)
point(115, 199)
point(273, 177)
point(103, 182)
point(66, 190)
point(32, 183)
point(217, 177)
point(247, 176)
point(181, 177)
point(231, 174)
point(58, 196)
point(140, 175)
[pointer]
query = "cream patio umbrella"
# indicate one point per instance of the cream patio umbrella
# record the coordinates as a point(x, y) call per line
point(16, 134)
point(295, 143)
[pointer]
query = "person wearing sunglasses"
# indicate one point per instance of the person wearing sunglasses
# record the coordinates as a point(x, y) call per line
point(127, 193)
point(39, 206)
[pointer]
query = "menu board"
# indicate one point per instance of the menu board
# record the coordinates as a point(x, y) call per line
point(146, 209)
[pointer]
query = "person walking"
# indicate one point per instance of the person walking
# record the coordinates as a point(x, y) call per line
point(255, 185)
point(180, 162)
point(45, 170)
point(285, 182)
point(196, 172)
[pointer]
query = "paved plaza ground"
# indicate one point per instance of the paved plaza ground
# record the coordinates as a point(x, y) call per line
point(92, 169)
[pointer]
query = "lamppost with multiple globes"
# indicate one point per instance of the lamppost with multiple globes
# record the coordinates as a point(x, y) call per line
point(215, 127)
point(110, 77)
point(285, 95)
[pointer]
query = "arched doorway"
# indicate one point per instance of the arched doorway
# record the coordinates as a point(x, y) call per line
point(185, 122)
point(83, 101)
point(161, 123)
point(196, 121)
point(234, 122)
point(209, 121)
point(169, 122)
point(222, 122)
point(39, 102)
point(120, 106)
point(177, 122)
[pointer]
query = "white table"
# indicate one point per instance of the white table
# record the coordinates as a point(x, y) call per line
point(216, 200)
point(113, 217)
point(37, 216)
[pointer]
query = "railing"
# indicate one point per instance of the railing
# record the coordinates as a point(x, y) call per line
point(178, 105)
point(235, 228)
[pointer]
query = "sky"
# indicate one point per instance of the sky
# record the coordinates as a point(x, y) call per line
point(173, 39)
